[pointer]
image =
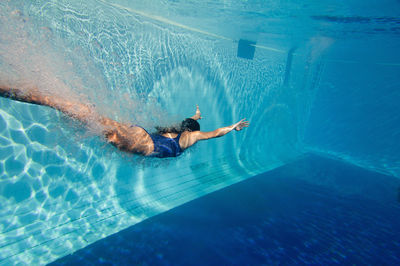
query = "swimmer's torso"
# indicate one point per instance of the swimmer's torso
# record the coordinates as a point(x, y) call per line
point(165, 145)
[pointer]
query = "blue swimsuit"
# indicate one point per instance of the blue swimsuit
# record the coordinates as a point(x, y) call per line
point(165, 147)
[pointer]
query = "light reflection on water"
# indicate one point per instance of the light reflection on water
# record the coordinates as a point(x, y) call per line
point(63, 188)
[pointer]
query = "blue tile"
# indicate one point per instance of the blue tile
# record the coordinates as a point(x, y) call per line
point(314, 211)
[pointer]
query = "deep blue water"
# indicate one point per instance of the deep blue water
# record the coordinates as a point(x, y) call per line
point(314, 211)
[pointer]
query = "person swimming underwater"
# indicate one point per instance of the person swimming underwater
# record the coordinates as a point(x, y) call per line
point(166, 142)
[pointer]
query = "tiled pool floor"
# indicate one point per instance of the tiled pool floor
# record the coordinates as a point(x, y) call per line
point(312, 211)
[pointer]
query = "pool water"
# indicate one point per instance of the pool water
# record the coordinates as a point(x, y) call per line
point(320, 79)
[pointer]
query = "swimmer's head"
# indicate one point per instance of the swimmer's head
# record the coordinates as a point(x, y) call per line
point(190, 124)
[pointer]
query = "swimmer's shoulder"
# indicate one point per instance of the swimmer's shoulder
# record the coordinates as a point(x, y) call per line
point(187, 139)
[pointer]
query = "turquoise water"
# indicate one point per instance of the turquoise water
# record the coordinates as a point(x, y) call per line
point(149, 63)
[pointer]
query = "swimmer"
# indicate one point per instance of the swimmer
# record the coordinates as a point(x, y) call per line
point(166, 142)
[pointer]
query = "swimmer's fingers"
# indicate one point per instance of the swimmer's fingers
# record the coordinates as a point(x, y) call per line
point(198, 113)
point(241, 124)
point(245, 123)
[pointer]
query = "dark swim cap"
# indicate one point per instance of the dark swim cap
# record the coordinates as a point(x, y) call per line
point(190, 124)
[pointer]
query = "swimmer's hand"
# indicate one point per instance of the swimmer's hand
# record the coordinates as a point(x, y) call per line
point(241, 124)
point(197, 116)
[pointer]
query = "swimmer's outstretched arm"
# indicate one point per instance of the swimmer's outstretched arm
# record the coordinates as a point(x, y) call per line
point(221, 131)
point(195, 136)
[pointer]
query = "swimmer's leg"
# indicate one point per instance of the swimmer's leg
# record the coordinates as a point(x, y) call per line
point(124, 137)
point(11, 93)
point(82, 112)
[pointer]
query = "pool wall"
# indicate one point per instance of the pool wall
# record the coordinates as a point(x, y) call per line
point(355, 115)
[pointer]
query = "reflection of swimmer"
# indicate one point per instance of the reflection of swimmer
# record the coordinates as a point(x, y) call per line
point(167, 142)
